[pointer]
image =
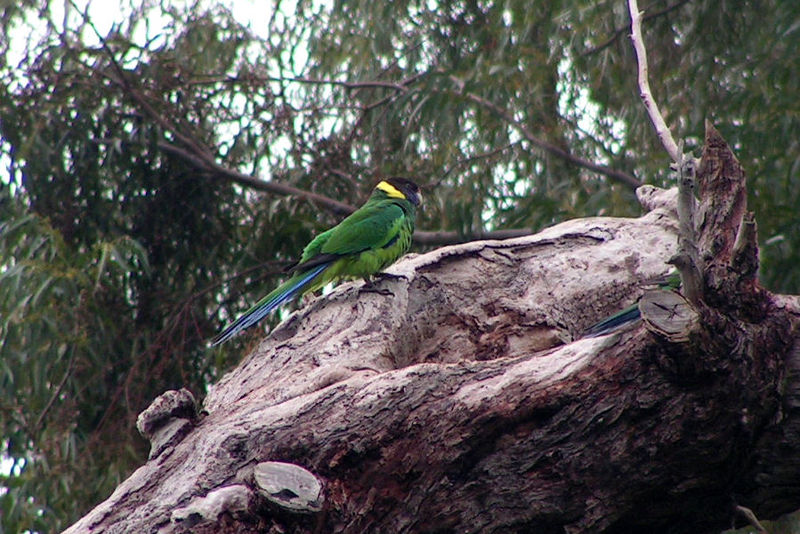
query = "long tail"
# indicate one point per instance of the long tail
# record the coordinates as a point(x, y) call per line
point(670, 281)
point(609, 324)
point(280, 295)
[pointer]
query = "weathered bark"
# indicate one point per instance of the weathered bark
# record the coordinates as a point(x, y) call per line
point(457, 401)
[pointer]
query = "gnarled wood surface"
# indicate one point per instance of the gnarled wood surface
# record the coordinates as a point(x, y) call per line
point(455, 400)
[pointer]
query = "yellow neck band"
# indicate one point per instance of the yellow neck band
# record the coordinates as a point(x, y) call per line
point(390, 190)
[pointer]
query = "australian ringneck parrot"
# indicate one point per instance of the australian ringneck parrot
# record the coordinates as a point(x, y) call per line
point(368, 240)
point(670, 282)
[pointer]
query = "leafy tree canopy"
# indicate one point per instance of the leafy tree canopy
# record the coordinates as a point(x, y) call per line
point(132, 226)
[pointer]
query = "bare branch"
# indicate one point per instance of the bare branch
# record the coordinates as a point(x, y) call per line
point(644, 85)
point(421, 237)
point(258, 184)
point(401, 87)
point(476, 157)
point(748, 514)
point(619, 31)
point(55, 395)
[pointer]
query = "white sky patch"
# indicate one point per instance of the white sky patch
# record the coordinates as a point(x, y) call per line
point(154, 30)
point(9, 466)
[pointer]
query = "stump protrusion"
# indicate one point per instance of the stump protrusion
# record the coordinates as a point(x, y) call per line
point(228, 499)
point(168, 419)
point(668, 314)
point(289, 486)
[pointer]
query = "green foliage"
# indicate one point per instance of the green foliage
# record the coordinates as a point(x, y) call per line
point(123, 251)
point(54, 375)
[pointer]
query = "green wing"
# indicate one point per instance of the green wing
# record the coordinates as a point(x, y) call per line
point(371, 226)
point(371, 238)
point(376, 227)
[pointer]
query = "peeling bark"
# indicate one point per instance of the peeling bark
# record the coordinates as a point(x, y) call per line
point(461, 403)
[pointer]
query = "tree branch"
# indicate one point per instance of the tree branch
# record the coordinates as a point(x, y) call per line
point(619, 31)
point(644, 85)
point(258, 184)
point(476, 157)
point(401, 87)
point(620, 176)
point(421, 237)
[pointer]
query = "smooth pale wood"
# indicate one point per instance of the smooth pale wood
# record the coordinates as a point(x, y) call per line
point(669, 314)
point(289, 486)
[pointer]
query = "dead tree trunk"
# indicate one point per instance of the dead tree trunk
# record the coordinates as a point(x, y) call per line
point(463, 402)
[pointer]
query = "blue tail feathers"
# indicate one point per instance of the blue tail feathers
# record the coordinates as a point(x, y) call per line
point(286, 292)
point(609, 324)
point(668, 282)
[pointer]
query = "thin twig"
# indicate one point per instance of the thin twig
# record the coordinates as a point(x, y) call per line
point(619, 31)
point(644, 85)
point(56, 393)
point(353, 85)
point(620, 176)
point(472, 159)
point(591, 137)
point(748, 514)
point(400, 87)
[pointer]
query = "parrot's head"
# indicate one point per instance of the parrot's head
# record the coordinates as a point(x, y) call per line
point(401, 188)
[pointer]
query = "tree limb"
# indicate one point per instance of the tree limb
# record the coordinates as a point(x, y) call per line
point(646, 94)
point(421, 237)
point(269, 186)
point(401, 87)
point(621, 30)
point(364, 366)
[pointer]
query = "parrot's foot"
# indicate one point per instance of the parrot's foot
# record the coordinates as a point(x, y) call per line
point(389, 276)
point(370, 287)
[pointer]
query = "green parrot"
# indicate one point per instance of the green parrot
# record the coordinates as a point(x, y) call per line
point(367, 241)
point(670, 282)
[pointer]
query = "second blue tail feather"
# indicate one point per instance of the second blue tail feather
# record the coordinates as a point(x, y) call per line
point(671, 281)
point(282, 294)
